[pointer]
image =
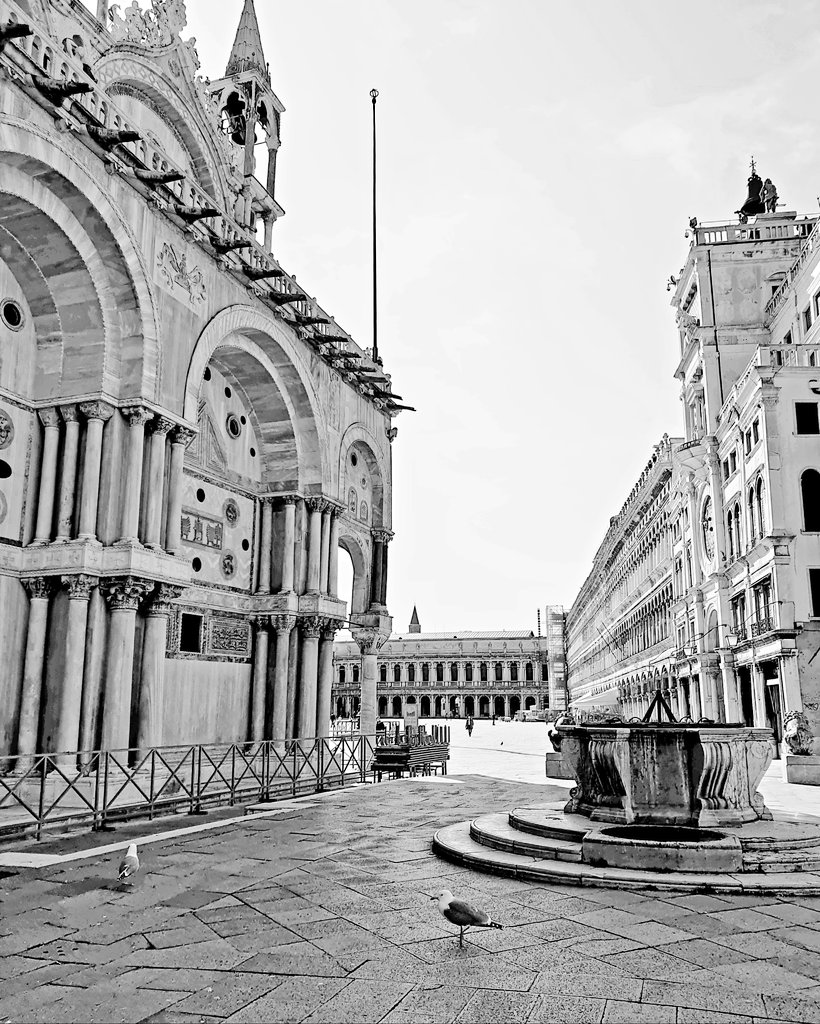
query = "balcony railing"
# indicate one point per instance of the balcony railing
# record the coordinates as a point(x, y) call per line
point(764, 624)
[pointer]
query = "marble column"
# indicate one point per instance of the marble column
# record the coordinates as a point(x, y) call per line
point(323, 706)
point(265, 538)
point(383, 592)
point(152, 684)
point(180, 439)
point(315, 506)
point(370, 643)
point(93, 673)
point(333, 564)
point(96, 415)
point(758, 696)
point(695, 698)
point(710, 677)
point(324, 569)
point(283, 624)
point(261, 640)
point(68, 472)
point(288, 543)
point(156, 479)
point(309, 676)
point(790, 683)
point(71, 693)
point(48, 473)
point(293, 682)
point(39, 589)
point(136, 417)
point(124, 595)
point(377, 567)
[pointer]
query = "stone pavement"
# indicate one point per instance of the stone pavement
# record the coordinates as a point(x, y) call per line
point(321, 912)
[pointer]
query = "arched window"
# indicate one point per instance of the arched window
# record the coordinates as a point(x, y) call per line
point(514, 671)
point(761, 519)
point(752, 522)
point(341, 673)
point(439, 673)
point(425, 672)
point(411, 673)
point(730, 533)
point(383, 673)
point(468, 672)
point(528, 672)
point(453, 673)
point(482, 671)
point(397, 673)
point(499, 671)
point(355, 673)
point(810, 488)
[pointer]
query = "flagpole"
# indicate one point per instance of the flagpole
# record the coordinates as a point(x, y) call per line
point(374, 93)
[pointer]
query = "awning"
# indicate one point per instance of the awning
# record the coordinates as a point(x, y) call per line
point(605, 699)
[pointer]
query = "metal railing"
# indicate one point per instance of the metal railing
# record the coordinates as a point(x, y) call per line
point(40, 791)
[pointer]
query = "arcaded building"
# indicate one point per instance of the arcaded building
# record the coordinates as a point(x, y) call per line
point(452, 674)
point(186, 438)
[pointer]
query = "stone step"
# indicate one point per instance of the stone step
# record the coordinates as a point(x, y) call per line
point(551, 823)
point(455, 844)
point(782, 860)
point(495, 831)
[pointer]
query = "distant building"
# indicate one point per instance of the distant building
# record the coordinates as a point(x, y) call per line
point(452, 674)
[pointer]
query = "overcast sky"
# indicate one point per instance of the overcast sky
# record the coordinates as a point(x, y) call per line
point(538, 164)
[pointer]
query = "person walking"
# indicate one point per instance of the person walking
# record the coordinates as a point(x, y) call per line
point(470, 726)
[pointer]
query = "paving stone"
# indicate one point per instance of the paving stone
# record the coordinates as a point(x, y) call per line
point(792, 913)
point(229, 993)
point(803, 961)
point(560, 929)
point(360, 1002)
point(793, 1008)
point(762, 945)
point(619, 1012)
point(650, 963)
point(595, 985)
point(689, 1015)
point(497, 1008)
point(797, 935)
point(606, 947)
point(427, 1003)
point(172, 1016)
point(745, 919)
point(700, 902)
point(293, 1000)
point(566, 1009)
point(763, 976)
point(26, 1004)
point(184, 979)
point(702, 997)
point(705, 953)
point(302, 958)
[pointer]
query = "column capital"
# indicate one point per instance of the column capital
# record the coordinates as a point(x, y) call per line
point(69, 413)
point(49, 417)
point(182, 435)
point(370, 641)
point(315, 503)
point(311, 626)
point(260, 622)
point(330, 628)
point(161, 425)
point(39, 587)
point(382, 536)
point(289, 499)
point(283, 623)
point(161, 602)
point(80, 586)
point(96, 410)
point(136, 415)
point(125, 592)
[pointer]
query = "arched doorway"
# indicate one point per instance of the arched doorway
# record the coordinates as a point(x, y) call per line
point(484, 706)
point(515, 705)
point(424, 707)
point(439, 706)
point(340, 707)
point(397, 707)
point(498, 706)
point(469, 706)
point(529, 703)
point(382, 707)
point(454, 707)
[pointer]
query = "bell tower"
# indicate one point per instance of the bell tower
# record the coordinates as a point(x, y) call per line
point(251, 114)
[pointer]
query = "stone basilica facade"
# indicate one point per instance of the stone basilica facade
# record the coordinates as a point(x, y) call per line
point(186, 437)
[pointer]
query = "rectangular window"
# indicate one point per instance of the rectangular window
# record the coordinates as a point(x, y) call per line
point(748, 438)
point(545, 672)
point(190, 633)
point(725, 469)
point(807, 319)
point(732, 463)
point(756, 431)
point(814, 587)
point(816, 302)
point(788, 338)
point(806, 418)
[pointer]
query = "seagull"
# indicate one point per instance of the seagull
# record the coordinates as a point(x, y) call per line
point(461, 913)
point(130, 864)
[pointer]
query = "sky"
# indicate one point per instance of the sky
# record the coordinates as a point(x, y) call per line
point(538, 165)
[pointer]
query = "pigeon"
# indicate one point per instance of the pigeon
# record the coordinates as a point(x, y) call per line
point(130, 864)
point(461, 913)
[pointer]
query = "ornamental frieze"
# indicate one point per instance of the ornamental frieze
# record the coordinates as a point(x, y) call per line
point(178, 278)
point(205, 531)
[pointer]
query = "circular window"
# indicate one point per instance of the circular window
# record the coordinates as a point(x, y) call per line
point(354, 459)
point(11, 313)
point(5, 470)
point(196, 565)
point(253, 453)
point(207, 373)
point(200, 495)
point(245, 545)
point(233, 426)
point(228, 392)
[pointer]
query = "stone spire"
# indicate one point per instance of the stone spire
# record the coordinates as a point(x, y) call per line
point(415, 625)
point(247, 52)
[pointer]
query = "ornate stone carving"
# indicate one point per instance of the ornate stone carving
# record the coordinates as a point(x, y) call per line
point(164, 595)
point(228, 564)
point(312, 626)
point(315, 504)
point(175, 272)
point(231, 636)
point(382, 536)
point(183, 436)
point(290, 499)
point(124, 593)
point(196, 528)
point(158, 27)
point(283, 623)
point(162, 425)
point(69, 413)
point(6, 430)
point(330, 628)
point(79, 587)
point(39, 587)
point(370, 641)
point(797, 733)
point(96, 410)
point(136, 415)
point(231, 512)
point(49, 417)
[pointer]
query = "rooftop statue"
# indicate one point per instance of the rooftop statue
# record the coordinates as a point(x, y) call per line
point(762, 197)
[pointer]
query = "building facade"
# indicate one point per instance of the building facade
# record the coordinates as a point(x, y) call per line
point(729, 514)
point(186, 438)
point(451, 675)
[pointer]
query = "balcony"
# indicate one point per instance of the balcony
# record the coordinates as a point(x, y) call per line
point(764, 624)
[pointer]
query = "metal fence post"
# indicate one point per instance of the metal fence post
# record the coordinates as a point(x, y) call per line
point(41, 802)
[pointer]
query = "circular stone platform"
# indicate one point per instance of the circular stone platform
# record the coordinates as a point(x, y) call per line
point(545, 844)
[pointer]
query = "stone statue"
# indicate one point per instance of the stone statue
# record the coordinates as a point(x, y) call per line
point(554, 735)
point(797, 734)
point(769, 196)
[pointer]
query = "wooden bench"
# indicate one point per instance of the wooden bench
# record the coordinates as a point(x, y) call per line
point(415, 759)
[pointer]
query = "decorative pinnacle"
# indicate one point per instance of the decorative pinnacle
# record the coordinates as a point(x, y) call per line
point(374, 93)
